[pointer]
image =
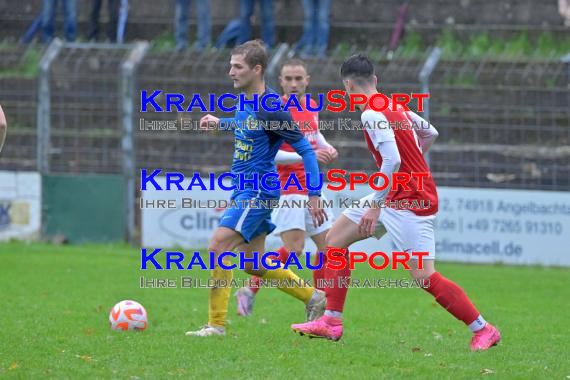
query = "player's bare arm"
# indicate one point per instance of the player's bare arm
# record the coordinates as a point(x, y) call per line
point(326, 153)
point(207, 119)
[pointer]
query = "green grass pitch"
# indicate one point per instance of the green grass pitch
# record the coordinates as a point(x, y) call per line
point(56, 300)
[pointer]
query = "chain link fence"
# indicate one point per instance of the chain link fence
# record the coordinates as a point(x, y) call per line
point(502, 123)
point(18, 96)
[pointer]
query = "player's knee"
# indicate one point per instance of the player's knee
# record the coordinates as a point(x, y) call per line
point(296, 247)
point(213, 246)
point(217, 245)
point(333, 240)
point(249, 269)
point(421, 274)
point(427, 269)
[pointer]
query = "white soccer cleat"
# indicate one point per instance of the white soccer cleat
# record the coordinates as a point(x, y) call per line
point(245, 300)
point(316, 306)
point(207, 330)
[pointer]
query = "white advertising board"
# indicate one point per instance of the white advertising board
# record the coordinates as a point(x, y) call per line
point(473, 225)
point(20, 205)
point(510, 226)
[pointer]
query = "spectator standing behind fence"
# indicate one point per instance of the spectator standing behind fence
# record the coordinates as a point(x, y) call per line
point(315, 38)
point(48, 19)
point(267, 22)
point(564, 10)
point(204, 22)
point(123, 15)
point(112, 11)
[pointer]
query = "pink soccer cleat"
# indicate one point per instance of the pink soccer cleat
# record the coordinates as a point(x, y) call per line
point(324, 327)
point(485, 338)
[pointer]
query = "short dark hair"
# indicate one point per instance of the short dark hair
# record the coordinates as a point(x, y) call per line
point(294, 62)
point(254, 54)
point(358, 68)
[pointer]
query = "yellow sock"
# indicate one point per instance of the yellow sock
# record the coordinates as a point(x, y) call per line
point(303, 293)
point(219, 298)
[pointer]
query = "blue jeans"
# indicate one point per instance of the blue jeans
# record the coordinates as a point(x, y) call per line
point(32, 30)
point(113, 11)
point(229, 35)
point(122, 22)
point(48, 19)
point(316, 27)
point(267, 23)
point(204, 21)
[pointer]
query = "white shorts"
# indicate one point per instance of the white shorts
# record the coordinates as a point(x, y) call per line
point(409, 232)
point(295, 218)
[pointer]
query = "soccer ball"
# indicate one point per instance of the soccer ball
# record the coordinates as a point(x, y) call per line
point(128, 315)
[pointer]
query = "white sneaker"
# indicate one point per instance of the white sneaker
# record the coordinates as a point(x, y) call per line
point(207, 330)
point(245, 300)
point(316, 306)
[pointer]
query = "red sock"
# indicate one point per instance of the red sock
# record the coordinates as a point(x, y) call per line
point(336, 295)
point(254, 284)
point(283, 254)
point(319, 274)
point(454, 299)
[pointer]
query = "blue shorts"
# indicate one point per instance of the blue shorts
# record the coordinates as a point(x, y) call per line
point(249, 222)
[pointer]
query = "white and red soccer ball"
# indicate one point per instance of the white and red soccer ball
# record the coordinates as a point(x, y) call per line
point(128, 315)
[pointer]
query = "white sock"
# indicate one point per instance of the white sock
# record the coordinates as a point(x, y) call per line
point(477, 324)
point(331, 313)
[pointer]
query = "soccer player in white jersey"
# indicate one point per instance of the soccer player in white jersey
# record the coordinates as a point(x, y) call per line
point(396, 149)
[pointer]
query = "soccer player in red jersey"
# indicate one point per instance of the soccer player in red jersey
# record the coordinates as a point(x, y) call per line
point(294, 223)
point(395, 150)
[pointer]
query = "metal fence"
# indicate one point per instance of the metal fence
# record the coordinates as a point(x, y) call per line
point(502, 123)
point(18, 96)
point(85, 113)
